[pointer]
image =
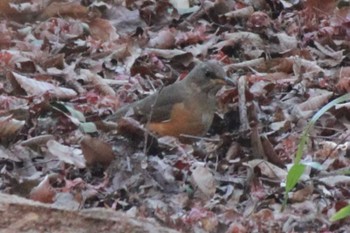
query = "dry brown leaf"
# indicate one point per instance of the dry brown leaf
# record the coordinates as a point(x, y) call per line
point(302, 194)
point(268, 169)
point(327, 7)
point(167, 53)
point(98, 82)
point(37, 88)
point(9, 126)
point(70, 9)
point(101, 29)
point(96, 152)
point(56, 61)
point(66, 154)
point(5, 8)
point(280, 65)
point(344, 79)
point(38, 140)
point(242, 13)
point(316, 102)
point(256, 142)
point(44, 192)
point(269, 151)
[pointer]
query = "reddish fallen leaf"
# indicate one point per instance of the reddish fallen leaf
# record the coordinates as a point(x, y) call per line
point(96, 152)
point(44, 192)
point(70, 9)
point(103, 30)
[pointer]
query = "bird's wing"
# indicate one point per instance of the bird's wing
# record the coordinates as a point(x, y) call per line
point(156, 107)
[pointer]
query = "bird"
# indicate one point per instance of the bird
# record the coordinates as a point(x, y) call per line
point(184, 108)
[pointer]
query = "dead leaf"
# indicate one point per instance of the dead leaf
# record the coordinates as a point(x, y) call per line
point(317, 101)
point(302, 194)
point(66, 154)
point(101, 29)
point(37, 88)
point(44, 192)
point(204, 180)
point(268, 169)
point(9, 126)
point(96, 152)
point(69, 9)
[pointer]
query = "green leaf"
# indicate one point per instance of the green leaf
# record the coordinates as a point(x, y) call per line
point(294, 174)
point(76, 114)
point(313, 164)
point(297, 169)
point(88, 127)
point(64, 108)
point(342, 213)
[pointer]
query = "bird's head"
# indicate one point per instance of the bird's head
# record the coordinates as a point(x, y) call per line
point(208, 77)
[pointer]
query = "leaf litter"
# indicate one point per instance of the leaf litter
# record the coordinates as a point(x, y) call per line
point(67, 65)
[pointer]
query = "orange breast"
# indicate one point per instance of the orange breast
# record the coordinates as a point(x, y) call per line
point(183, 120)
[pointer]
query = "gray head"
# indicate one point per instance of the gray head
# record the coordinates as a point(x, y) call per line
point(207, 76)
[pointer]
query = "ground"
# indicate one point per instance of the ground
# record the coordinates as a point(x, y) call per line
point(67, 65)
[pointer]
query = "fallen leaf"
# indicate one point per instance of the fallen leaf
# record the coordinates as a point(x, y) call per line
point(96, 152)
point(66, 154)
point(204, 180)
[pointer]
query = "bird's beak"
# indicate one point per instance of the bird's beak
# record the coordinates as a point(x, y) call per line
point(229, 81)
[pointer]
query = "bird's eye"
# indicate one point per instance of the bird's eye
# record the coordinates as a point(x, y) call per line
point(208, 74)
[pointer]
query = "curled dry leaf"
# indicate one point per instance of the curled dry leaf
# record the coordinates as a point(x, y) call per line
point(316, 102)
point(167, 53)
point(327, 56)
point(44, 192)
point(164, 39)
point(302, 194)
point(204, 180)
point(242, 13)
point(257, 146)
point(38, 140)
point(56, 61)
point(268, 169)
point(247, 64)
point(96, 152)
point(66, 154)
point(9, 126)
point(34, 87)
point(99, 82)
point(269, 151)
point(70, 9)
point(101, 29)
point(344, 79)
